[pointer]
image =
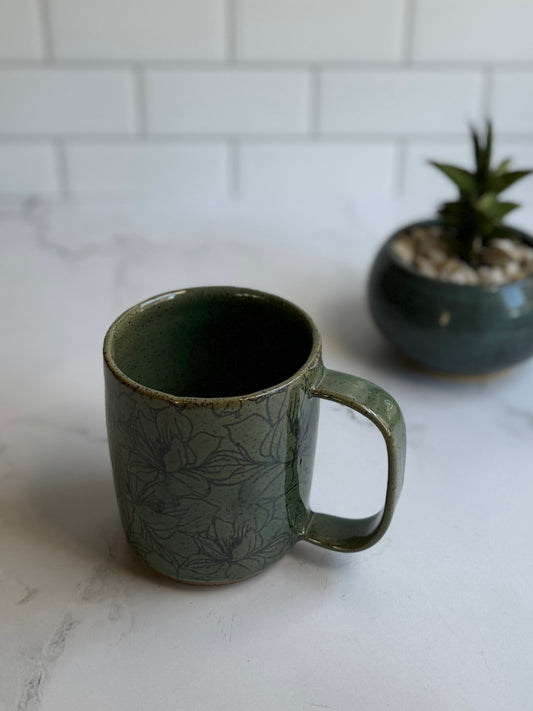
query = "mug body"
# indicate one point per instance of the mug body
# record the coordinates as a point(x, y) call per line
point(212, 429)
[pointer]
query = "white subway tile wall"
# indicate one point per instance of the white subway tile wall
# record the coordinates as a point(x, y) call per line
point(346, 170)
point(138, 30)
point(111, 170)
point(401, 101)
point(66, 101)
point(513, 101)
point(473, 30)
point(20, 36)
point(28, 169)
point(229, 102)
point(238, 98)
point(318, 31)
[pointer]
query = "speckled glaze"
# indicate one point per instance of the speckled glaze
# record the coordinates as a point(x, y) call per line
point(451, 328)
point(213, 489)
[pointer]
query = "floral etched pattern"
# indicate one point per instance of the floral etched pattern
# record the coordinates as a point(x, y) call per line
point(216, 492)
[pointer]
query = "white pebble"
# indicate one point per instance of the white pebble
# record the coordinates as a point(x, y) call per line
point(404, 249)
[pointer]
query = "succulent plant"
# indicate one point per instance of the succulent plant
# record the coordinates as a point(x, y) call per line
point(475, 219)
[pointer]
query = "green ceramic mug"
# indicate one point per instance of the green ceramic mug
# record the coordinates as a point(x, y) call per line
point(212, 398)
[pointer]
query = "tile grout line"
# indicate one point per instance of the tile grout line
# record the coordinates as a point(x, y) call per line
point(45, 26)
point(263, 138)
point(408, 32)
point(62, 169)
point(230, 25)
point(281, 66)
point(315, 101)
point(141, 106)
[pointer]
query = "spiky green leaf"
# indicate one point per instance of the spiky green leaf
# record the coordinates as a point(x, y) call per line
point(465, 181)
point(498, 183)
point(504, 231)
point(455, 207)
point(503, 167)
point(492, 209)
point(477, 149)
point(482, 151)
point(475, 218)
point(488, 147)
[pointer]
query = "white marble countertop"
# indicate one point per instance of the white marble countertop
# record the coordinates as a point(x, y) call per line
point(437, 616)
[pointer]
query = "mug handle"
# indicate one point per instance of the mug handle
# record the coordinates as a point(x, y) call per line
point(345, 534)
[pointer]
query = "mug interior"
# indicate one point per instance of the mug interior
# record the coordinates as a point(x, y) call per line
point(212, 342)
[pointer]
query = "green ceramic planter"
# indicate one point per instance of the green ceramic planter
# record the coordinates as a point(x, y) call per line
point(451, 328)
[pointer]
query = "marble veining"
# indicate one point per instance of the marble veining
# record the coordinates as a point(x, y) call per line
point(434, 616)
point(523, 415)
point(29, 595)
point(42, 665)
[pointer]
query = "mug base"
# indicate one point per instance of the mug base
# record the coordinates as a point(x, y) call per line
point(209, 584)
point(184, 581)
point(204, 583)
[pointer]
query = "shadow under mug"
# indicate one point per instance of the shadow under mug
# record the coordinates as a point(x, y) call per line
point(212, 398)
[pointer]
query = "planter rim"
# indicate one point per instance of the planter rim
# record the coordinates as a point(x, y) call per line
point(387, 246)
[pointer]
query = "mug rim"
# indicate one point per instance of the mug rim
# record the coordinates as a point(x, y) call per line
point(313, 358)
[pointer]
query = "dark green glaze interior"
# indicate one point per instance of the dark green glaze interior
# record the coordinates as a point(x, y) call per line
point(484, 331)
point(211, 343)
